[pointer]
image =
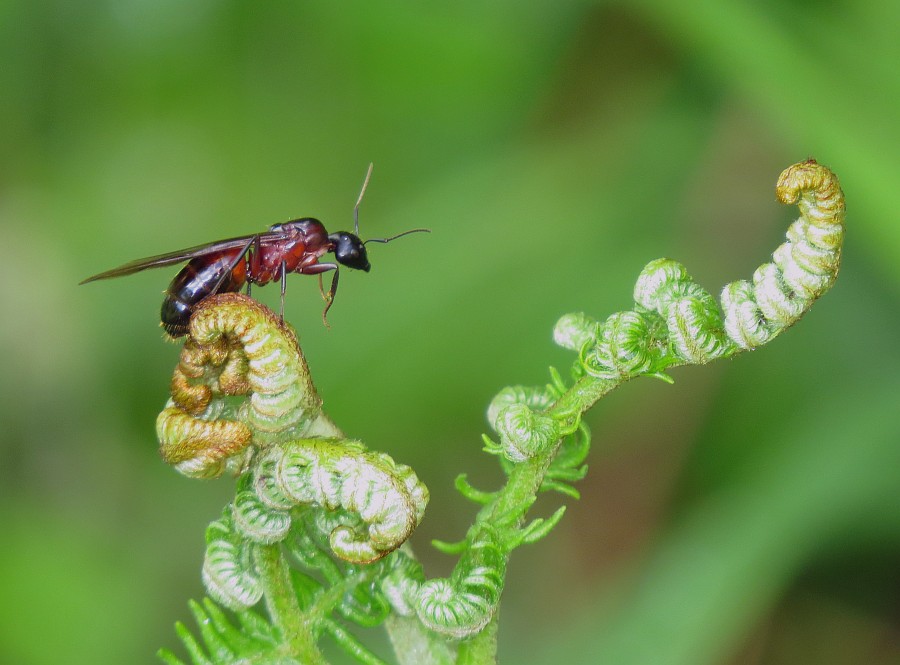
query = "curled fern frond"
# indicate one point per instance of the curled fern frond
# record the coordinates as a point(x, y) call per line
point(674, 322)
point(275, 371)
point(229, 572)
point(524, 433)
point(515, 414)
point(677, 322)
point(258, 522)
point(235, 347)
point(202, 446)
point(464, 603)
point(534, 398)
point(362, 503)
point(401, 582)
point(242, 401)
point(218, 368)
point(383, 500)
point(692, 322)
point(574, 331)
point(803, 268)
point(624, 348)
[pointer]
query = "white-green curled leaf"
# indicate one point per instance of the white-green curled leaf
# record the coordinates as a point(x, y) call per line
point(802, 269)
point(265, 483)
point(655, 284)
point(696, 331)
point(464, 603)
point(228, 572)
point(524, 433)
point(402, 581)
point(281, 391)
point(202, 445)
point(745, 323)
point(573, 331)
point(777, 301)
point(623, 349)
point(385, 500)
point(255, 520)
point(534, 398)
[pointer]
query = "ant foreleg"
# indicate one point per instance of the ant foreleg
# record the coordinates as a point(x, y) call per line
point(318, 269)
point(332, 292)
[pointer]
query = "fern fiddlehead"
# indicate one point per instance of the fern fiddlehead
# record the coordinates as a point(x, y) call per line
point(342, 512)
point(542, 441)
point(242, 401)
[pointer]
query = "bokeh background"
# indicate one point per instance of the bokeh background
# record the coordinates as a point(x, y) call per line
point(749, 514)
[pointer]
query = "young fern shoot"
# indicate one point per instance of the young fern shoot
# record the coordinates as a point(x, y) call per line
point(318, 526)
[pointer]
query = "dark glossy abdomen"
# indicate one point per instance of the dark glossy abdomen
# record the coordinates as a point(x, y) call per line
point(200, 278)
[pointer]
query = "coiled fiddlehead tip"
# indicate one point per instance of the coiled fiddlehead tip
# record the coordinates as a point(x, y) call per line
point(655, 285)
point(368, 504)
point(802, 269)
point(678, 322)
point(464, 603)
point(815, 181)
point(199, 447)
point(236, 347)
point(624, 347)
point(401, 582)
point(525, 433)
point(573, 331)
point(229, 571)
point(277, 376)
point(534, 398)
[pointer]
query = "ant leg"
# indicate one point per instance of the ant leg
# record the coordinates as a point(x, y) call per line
point(318, 269)
point(233, 265)
point(283, 287)
point(253, 262)
point(330, 299)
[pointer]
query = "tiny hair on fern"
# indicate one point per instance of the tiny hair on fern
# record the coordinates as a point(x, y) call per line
point(318, 530)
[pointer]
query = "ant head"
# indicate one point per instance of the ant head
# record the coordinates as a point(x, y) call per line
point(349, 250)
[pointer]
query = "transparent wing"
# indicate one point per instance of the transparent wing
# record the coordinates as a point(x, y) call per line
point(182, 255)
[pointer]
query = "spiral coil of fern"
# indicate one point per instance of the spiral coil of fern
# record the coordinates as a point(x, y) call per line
point(242, 401)
point(675, 322)
point(464, 603)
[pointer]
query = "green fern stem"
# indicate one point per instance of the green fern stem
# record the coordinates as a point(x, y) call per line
point(297, 627)
point(674, 322)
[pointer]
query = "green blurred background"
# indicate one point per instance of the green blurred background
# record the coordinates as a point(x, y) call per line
point(748, 514)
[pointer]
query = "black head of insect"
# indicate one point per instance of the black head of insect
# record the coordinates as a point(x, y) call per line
point(349, 250)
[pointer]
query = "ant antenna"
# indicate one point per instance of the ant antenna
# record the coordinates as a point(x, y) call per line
point(356, 214)
point(399, 235)
point(359, 200)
